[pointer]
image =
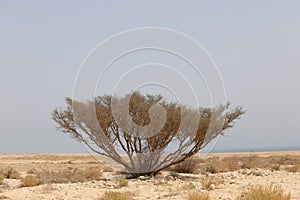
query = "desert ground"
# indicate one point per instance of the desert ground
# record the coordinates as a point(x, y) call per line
point(219, 175)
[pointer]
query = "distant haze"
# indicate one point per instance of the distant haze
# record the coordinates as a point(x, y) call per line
point(255, 44)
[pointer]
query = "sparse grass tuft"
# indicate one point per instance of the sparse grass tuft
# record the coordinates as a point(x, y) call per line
point(188, 186)
point(207, 181)
point(294, 168)
point(10, 173)
point(121, 182)
point(198, 196)
point(69, 175)
point(233, 163)
point(116, 196)
point(30, 181)
point(269, 192)
point(1, 179)
point(174, 174)
point(190, 165)
point(212, 168)
point(275, 167)
point(108, 169)
point(93, 174)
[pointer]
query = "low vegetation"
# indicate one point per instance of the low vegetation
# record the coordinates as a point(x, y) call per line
point(10, 173)
point(233, 163)
point(188, 129)
point(30, 181)
point(194, 195)
point(269, 192)
point(121, 182)
point(188, 186)
point(174, 174)
point(1, 179)
point(110, 195)
point(190, 165)
point(294, 168)
point(68, 175)
point(208, 181)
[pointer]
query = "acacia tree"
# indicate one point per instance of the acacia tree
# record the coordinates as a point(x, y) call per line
point(143, 133)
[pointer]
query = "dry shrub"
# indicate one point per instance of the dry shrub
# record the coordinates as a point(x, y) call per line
point(275, 167)
point(10, 173)
point(250, 162)
point(214, 165)
point(107, 169)
point(285, 160)
point(270, 162)
point(269, 192)
point(188, 186)
point(93, 174)
point(1, 179)
point(198, 196)
point(116, 196)
point(30, 181)
point(189, 165)
point(121, 182)
point(174, 174)
point(233, 163)
point(69, 176)
point(213, 168)
point(230, 164)
point(294, 168)
point(207, 181)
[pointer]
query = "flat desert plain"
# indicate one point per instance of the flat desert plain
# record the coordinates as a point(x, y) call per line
point(220, 175)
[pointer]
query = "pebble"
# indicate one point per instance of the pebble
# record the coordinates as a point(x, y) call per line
point(212, 187)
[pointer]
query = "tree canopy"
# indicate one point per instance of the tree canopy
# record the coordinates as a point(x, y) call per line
point(144, 133)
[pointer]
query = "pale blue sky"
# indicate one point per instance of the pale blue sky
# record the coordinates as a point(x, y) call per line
point(255, 44)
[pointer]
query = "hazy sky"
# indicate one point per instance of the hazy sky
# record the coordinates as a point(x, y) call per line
point(255, 44)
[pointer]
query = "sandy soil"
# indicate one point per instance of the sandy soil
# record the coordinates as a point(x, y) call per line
point(163, 186)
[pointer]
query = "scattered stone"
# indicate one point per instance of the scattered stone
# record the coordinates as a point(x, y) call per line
point(212, 187)
point(144, 178)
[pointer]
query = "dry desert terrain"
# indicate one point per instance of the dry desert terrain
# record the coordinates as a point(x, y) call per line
point(220, 175)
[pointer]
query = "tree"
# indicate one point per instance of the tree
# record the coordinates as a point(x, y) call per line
point(137, 130)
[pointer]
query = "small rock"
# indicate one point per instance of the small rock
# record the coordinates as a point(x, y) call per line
point(143, 178)
point(212, 187)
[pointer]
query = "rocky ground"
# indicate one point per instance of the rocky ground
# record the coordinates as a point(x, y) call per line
point(167, 185)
